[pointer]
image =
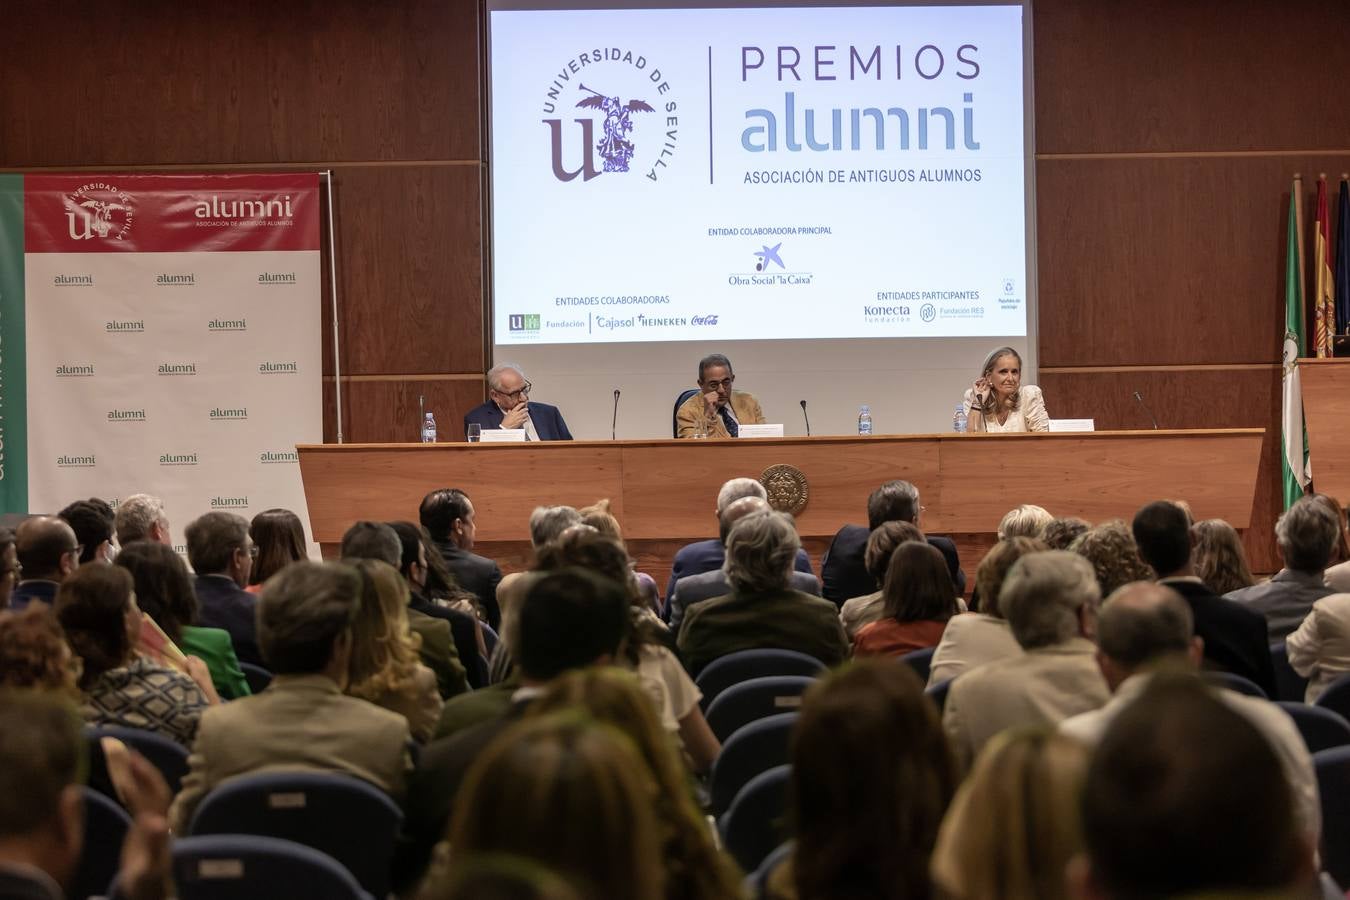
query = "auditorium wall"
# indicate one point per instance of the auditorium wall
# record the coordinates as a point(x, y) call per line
point(1167, 133)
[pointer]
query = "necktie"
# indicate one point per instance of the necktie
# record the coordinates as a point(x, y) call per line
point(732, 428)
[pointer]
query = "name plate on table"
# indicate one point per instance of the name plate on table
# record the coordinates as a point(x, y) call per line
point(754, 431)
point(502, 436)
point(1073, 424)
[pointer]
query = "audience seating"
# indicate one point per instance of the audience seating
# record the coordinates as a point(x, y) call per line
point(919, 661)
point(350, 820)
point(757, 882)
point(743, 703)
point(1322, 729)
point(758, 746)
point(743, 665)
point(1333, 783)
point(228, 867)
point(1289, 685)
point(754, 825)
point(938, 693)
point(1336, 698)
point(166, 755)
point(257, 677)
point(675, 413)
point(1235, 683)
point(105, 827)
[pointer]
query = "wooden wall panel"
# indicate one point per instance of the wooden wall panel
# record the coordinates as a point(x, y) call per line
point(1187, 75)
point(154, 83)
point(386, 411)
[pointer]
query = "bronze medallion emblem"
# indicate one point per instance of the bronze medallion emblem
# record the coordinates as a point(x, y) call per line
point(787, 488)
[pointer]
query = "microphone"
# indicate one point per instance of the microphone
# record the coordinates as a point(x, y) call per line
point(1140, 400)
point(614, 425)
point(805, 417)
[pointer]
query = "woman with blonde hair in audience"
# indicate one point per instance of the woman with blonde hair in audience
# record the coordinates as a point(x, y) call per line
point(1111, 549)
point(695, 869)
point(570, 795)
point(1337, 574)
point(1027, 520)
point(973, 639)
point(872, 774)
point(1218, 557)
point(384, 666)
point(1014, 824)
point(280, 539)
point(858, 612)
point(919, 599)
point(598, 516)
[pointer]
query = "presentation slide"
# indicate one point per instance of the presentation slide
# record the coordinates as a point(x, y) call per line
point(766, 173)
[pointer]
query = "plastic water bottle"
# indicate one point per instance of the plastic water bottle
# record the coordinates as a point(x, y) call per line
point(865, 420)
point(429, 429)
point(960, 421)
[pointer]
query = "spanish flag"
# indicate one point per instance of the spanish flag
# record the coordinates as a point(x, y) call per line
point(1324, 284)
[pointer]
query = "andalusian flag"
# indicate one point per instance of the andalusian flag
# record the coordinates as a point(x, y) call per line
point(1294, 462)
point(1324, 289)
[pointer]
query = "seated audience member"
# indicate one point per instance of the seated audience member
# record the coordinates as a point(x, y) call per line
point(1305, 536)
point(1218, 558)
point(1050, 601)
point(546, 523)
point(1319, 649)
point(1114, 556)
point(371, 540)
point(1338, 564)
point(303, 720)
point(843, 571)
point(509, 406)
point(9, 567)
point(92, 521)
point(496, 876)
point(1234, 637)
point(1027, 520)
point(449, 636)
point(1014, 826)
point(384, 667)
point(280, 538)
point(42, 763)
point(141, 517)
point(164, 593)
point(221, 553)
point(973, 639)
point(46, 551)
point(881, 544)
point(919, 599)
point(1163, 815)
point(599, 517)
point(1146, 628)
point(97, 609)
point(448, 516)
point(872, 776)
point(1062, 531)
point(716, 411)
point(560, 769)
point(695, 868)
point(693, 589)
point(761, 610)
point(708, 556)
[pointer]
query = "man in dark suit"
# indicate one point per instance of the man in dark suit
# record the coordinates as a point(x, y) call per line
point(47, 551)
point(221, 554)
point(843, 572)
point(1236, 638)
point(448, 516)
point(509, 406)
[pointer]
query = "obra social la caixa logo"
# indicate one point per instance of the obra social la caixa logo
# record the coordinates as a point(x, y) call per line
point(99, 210)
point(621, 110)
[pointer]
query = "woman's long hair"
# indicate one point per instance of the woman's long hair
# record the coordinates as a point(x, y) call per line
point(91, 605)
point(990, 407)
point(384, 650)
point(1218, 557)
point(280, 539)
point(164, 589)
point(918, 585)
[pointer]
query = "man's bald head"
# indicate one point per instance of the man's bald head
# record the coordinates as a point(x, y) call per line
point(46, 547)
point(1141, 624)
point(737, 510)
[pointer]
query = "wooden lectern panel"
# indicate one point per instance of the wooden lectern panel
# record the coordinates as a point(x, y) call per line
point(1326, 414)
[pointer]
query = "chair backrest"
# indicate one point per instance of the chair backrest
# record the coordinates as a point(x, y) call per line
point(758, 746)
point(1333, 784)
point(920, 660)
point(1289, 685)
point(1229, 681)
point(105, 827)
point(353, 822)
point(749, 701)
point(166, 755)
point(257, 677)
point(679, 401)
point(938, 693)
point(757, 882)
point(743, 665)
point(1322, 729)
point(1336, 697)
point(230, 866)
point(754, 825)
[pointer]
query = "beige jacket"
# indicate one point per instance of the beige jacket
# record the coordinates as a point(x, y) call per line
point(743, 406)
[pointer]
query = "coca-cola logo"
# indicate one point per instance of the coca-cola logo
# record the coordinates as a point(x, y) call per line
point(703, 320)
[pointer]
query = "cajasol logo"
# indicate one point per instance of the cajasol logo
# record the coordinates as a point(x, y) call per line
point(177, 369)
point(120, 326)
point(181, 279)
point(76, 462)
point(126, 415)
point(178, 459)
point(227, 325)
point(73, 281)
point(75, 370)
point(279, 367)
point(278, 457)
point(219, 414)
point(229, 502)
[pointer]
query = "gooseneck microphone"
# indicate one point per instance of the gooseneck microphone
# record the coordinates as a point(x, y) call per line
point(1140, 400)
point(805, 418)
point(614, 425)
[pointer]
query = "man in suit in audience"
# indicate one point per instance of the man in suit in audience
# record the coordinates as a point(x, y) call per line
point(1235, 637)
point(448, 516)
point(509, 406)
point(843, 571)
point(1050, 601)
point(303, 720)
point(707, 556)
point(693, 589)
point(1306, 535)
point(221, 553)
point(141, 517)
point(47, 551)
point(717, 409)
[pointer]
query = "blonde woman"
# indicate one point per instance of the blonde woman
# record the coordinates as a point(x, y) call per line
point(998, 401)
point(384, 665)
point(1027, 520)
point(1218, 557)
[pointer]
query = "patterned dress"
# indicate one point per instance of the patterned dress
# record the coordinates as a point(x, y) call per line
point(146, 695)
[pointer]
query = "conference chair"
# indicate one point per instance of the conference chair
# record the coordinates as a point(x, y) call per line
point(1289, 685)
point(938, 693)
point(105, 828)
point(166, 755)
point(1333, 784)
point(749, 701)
point(353, 822)
point(754, 825)
point(919, 661)
point(1322, 729)
point(679, 401)
point(230, 866)
point(743, 665)
point(756, 884)
point(1233, 682)
point(758, 746)
point(1336, 698)
point(257, 677)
